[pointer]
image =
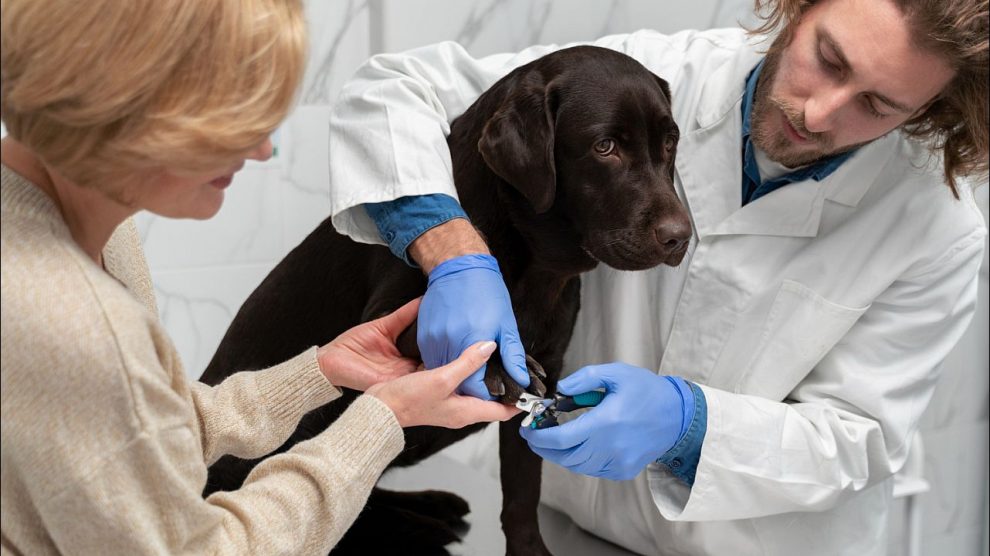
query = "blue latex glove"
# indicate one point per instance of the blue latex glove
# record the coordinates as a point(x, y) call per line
point(642, 416)
point(466, 302)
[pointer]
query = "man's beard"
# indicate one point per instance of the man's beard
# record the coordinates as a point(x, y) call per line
point(777, 146)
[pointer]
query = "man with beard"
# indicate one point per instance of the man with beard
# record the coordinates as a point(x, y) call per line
point(771, 384)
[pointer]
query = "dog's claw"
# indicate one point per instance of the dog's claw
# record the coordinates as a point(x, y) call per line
point(537, 374)
point(536, 386)
point(497, 388)
point(535, 368)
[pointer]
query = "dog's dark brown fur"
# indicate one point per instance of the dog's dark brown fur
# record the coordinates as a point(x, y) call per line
point(535, 171)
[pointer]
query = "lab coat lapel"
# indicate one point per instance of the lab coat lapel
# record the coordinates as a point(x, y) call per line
point(709, 166)
point(796, 209)
point(708, 156)
point(793, 210)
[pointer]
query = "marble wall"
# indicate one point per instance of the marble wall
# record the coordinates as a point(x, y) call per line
point(204, 270)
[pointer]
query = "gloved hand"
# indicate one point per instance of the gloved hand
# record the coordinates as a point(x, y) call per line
point(642, 416)
point(466, 302)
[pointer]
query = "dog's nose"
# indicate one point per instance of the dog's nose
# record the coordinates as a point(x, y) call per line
point(673, 234)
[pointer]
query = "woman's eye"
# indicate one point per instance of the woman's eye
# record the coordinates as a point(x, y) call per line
point(605, 147)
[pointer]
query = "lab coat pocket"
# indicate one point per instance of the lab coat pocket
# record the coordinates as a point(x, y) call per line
point(800, 328)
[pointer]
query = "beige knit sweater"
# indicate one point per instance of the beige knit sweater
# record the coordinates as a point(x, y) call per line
point(105, 441)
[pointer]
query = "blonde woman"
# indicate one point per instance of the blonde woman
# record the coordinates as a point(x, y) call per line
point(116, 107)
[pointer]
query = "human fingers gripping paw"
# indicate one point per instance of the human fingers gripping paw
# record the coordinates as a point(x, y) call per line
point(436, 328)
point(514, 357)
point(426, 398)
point(397, 321)
point(474, 386)
point(468, 362)
point(430, 345)
point(471, 410)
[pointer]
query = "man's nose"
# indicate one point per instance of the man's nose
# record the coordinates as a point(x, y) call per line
point(262, 152)
point(822, 109)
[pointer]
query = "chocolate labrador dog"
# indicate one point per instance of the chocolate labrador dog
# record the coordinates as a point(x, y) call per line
point(566, 162)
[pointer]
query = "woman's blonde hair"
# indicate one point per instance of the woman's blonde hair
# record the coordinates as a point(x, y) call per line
point(106, 89)
point(958, 122)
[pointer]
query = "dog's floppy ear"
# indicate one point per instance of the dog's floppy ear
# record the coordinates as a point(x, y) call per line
point(664, 87)
point(517, 142)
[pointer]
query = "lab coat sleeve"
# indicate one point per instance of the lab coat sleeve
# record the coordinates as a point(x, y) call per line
point(848, 424)
point(389, 126)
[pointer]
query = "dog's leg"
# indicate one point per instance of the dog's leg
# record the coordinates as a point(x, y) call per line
point(520, 492)
point(521, 473)
point(548, 330)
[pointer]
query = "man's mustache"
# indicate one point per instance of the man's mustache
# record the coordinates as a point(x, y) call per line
point(796, 118)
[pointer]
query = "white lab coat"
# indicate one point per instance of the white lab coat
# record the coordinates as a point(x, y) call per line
point(813, 318)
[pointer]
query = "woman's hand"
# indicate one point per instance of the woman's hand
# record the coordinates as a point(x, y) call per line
point(366, 354)
point(428, 398)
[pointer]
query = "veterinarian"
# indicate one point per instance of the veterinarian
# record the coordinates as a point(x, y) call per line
point(115, 107)
point(771, 384)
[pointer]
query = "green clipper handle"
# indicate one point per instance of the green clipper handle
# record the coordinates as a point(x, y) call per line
point(577, 401)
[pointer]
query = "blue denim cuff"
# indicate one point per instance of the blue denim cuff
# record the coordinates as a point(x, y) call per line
point(403, 220)
point(682, 459)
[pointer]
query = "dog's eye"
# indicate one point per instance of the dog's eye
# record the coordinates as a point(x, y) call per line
point(605, 147)
point(669, 143)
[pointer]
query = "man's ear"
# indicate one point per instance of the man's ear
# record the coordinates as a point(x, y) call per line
point(517, 141)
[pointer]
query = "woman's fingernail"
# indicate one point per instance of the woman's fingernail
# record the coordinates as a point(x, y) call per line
point(487, 348)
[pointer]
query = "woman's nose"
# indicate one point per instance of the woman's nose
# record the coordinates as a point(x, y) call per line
point(263, 151)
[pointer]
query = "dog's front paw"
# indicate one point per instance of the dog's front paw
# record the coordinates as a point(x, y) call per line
point(504, 389)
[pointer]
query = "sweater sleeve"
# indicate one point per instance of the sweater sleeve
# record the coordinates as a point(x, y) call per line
point(146, 497)
point(251, 414)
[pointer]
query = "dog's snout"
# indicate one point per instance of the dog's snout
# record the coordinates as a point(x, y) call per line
point(673, 234)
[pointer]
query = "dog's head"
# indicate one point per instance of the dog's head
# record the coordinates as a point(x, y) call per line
point(586, 138)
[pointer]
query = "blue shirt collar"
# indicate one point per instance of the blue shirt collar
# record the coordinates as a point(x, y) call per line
point(747, 105)
point(753, 185)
